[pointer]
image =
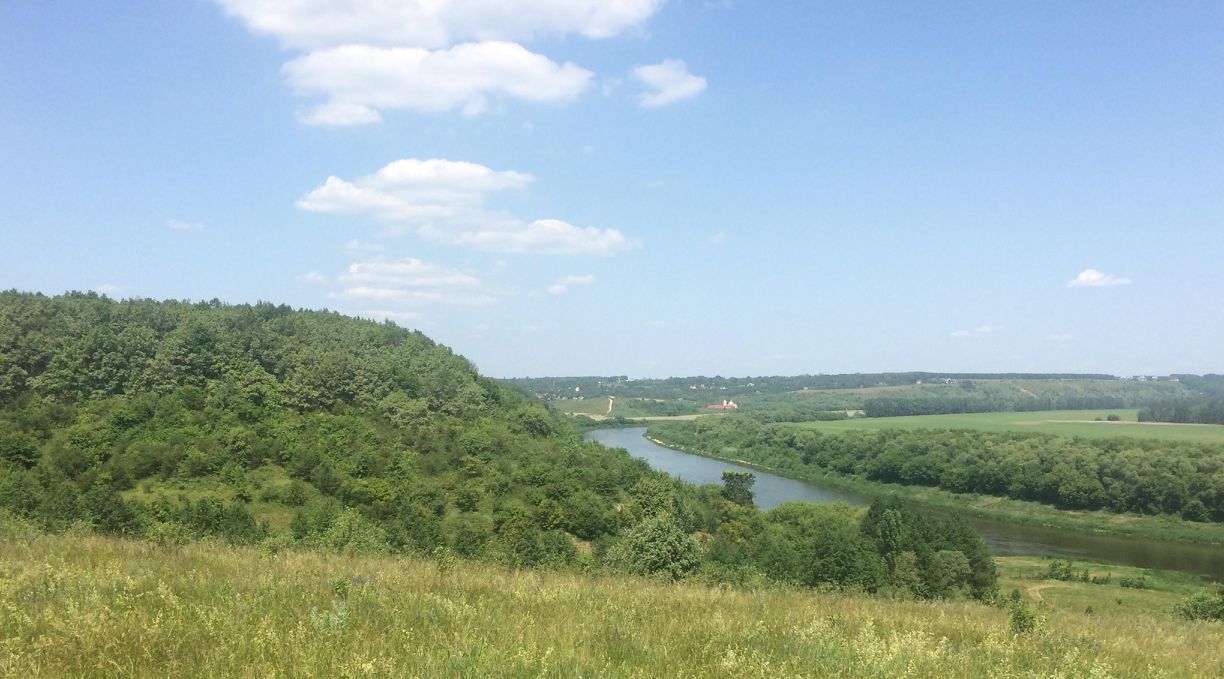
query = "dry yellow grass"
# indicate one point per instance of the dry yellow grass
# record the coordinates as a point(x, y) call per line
point(88, 606)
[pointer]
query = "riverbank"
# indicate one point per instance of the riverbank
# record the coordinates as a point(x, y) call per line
point(993, 508)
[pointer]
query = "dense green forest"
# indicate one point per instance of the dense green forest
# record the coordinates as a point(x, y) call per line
point(1118, 475)
point(1201, 411)
point(992, 396)
point(302, 429)
point(1207, 408)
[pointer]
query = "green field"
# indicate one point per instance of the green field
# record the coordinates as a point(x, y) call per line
point(92, 606)
point(1059, 422)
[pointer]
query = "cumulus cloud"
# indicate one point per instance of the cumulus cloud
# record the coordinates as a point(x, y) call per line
point(1091, 278)
point(181, 225)
point(443, 200)
point(410, 280)
point(666, 83)
point(413, 189)
point(368, 56)
point(976, 331)
point(563, 285)
point(359, 81)
point(319, 24)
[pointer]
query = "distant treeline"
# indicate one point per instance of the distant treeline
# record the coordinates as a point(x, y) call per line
point(677, 387)
point(1117, 475)
point(1205, 408)
point(1199, 411)
point(901, 406)
point(967, 396)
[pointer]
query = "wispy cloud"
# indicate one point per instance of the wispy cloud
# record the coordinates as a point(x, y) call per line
point(313, 277)
point(181, 225)
point(108, 289)
point(976, 331)
point(1091, 278)
point(666, 83)
point(562, 285)
point(410, 281)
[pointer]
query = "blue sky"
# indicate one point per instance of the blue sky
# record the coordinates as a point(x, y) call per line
point(646, 188)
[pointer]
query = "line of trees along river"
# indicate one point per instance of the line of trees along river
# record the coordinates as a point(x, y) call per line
point(1002, 539)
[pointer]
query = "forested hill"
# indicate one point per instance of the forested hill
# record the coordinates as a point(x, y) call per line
point(209, 416)
point(297, 429)
point(82, 347)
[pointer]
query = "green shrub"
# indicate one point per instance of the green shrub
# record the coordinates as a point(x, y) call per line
point(1207, 604)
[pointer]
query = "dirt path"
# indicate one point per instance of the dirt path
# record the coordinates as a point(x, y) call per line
point(610, 400)
point(1034, 591)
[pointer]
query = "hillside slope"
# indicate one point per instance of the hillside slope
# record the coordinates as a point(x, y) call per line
point(262, 424)
point(95, 606)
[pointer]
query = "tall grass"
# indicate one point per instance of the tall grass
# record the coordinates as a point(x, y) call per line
point(90, 606)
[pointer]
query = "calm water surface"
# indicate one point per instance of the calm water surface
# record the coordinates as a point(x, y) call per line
point(1003, 539)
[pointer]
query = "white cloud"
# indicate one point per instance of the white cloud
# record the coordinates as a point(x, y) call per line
point(107, 289)
point(717, 238)
point(316, 24)
point(339, 114)
point(564, 284)
point(667, 82)
point(410, 280)
point(312, 277)
point(409, 272)
point(360, 80)
point(976, 331)
point(443, 201)
point(542, 237)
point(1091, 278)
point(1060, 337)
point(413, 189)
point(180, 225)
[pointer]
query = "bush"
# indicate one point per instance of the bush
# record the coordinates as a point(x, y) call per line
point(1023, 619)
point(655, 547)
point(1207, 604)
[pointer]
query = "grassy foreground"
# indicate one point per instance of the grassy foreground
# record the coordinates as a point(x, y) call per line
point(1085, 423)
point(90, 606)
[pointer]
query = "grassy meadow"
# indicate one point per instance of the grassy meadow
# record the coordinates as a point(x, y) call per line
point(1058, 422)
point(93, 606)
point(1160, 591)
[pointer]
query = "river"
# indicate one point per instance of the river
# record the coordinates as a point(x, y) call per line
point(1003, 539)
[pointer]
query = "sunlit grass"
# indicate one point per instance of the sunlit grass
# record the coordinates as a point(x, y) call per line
point(85, 606)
